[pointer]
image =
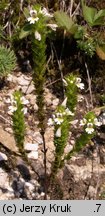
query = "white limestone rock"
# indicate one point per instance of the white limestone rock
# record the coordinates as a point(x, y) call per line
point(31, 146)
point(33, 155)
point(3, 157)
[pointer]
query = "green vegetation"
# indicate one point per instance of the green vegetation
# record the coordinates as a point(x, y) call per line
point(38, 30)
point(7, 61)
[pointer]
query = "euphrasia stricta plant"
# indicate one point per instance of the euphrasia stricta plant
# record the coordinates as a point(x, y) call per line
point(17, 110)
point(37, 27)
point(63, 117)
point(89, 124)
point(62, 120)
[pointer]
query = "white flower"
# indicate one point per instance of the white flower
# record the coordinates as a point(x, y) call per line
point(53, 116)
point(78, 79)
point(24, 110)
point(74, 122)
point(8, 100)
point(58, 121)
point(58, 132)
point(80, 98)
point(89, 129)
point(32, 20)
point(11, 109)
point(32, 12)
point(59, 114)
point(50, 122)
point(79, 84)
point(45, 12)
point(97, 123)
point(65, 83)
point(37, 36)
point(64, 102)
point(83, 122)
point(24, 101)
point(68, 112)
point(53, 26)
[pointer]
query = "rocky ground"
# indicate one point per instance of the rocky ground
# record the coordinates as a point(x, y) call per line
point(83, 177)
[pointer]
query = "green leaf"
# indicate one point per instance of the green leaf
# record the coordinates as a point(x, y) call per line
point(99, 21)
point(7, 61)
point(4, 5)
point(64, 21)
point(99, 18)
point(26, 12)
point(100, 14)
point(25, 31)
point(91, 15)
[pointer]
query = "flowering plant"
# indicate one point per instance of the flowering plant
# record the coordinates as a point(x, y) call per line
point(62, 120)
point(37, 18)
point(17, 111)
point(37, 26)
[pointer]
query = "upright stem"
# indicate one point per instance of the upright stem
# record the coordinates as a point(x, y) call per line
point(44, 160)
point(39, 60)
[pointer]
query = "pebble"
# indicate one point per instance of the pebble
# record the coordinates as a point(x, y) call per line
point(3, 157)
point(91, 192)
point(30, 186)
point(68, 148)
point(12, 78)
point(9, 130)
point(3, 177)
point(33, 155)
point(27, 89)
point(31, 146)
point(55, 102)
point(35, 107)
point(38, 138)
point(22, 81)
point(72, 142)
point(31, 98)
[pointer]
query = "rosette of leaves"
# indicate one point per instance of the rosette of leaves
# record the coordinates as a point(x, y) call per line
point(7, 61)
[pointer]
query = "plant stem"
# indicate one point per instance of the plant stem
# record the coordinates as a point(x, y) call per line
point(44, 161)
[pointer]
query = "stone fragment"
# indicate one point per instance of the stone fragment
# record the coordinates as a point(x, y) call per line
point(27, 89)
point(22, 81)
point(37, 137)
point(9, 130)
point(7, 140)
point(55, 102)
point(31, 98)
point(35, 107)
point(3, 178)
point(3, 157)
point(33, 155)
point(29, 186)
point(31, 146)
